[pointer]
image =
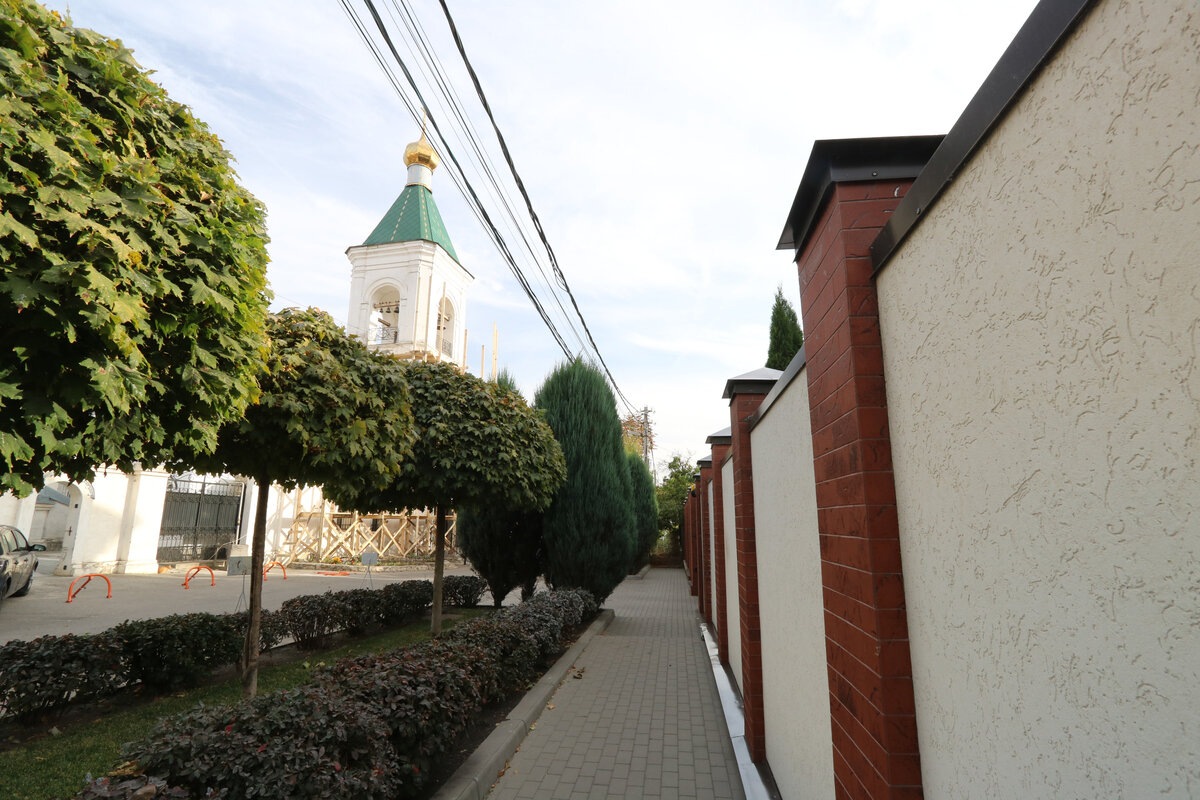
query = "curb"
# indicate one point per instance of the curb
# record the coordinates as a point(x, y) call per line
point(473, 780)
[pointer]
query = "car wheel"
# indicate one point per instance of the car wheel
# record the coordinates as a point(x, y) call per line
point(24, 590)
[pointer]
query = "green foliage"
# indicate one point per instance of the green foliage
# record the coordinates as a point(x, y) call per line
point(503, 546)
point(589, 529)
point(367, 727)
point(672, 494)
point(507, 380)
point(476, 445)
point(177, 651)
point(48, 673)
point(786, 336)
point(330, 412)
point(132, 264)
point(463, 591)
point(403, 601)
point(645, 507)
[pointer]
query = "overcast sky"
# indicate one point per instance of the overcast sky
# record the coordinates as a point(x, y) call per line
point(661, 142)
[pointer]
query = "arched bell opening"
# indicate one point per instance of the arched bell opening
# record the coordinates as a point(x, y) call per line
point(386, 304)
point(446, 328)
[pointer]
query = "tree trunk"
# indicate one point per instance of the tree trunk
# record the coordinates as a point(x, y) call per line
point(259, 546)
point(439, 557)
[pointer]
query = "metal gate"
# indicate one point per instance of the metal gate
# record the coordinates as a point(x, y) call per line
point(200, 521)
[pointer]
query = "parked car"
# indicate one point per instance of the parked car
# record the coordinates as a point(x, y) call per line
point(18, 562)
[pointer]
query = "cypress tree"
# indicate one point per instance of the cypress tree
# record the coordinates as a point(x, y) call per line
point(645, 507)
point(503, 545)
point(589, 529)
point(786, 336)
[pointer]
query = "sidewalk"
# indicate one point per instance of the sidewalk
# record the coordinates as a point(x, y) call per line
point(643, 721)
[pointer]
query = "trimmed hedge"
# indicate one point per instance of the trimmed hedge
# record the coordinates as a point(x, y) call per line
point(175, 652)
point(367, 727)
point(179, 650)
point(50, 672)
point(463, 591)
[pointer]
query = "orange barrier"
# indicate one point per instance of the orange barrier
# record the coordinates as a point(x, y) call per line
point(89, 577)
point(275, 564)
point(333, 573)
point(194, 570)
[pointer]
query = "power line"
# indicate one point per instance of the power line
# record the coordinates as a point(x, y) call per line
point(537, 223)
point(464, 184)
point(430, 64)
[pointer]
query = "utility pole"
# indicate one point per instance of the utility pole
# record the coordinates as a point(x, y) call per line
point(646, 435)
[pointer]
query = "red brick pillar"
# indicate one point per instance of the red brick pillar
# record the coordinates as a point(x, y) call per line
point(848, 193)
point(705, 540)
point(720, 449)
point(745, 394)
point(693, 503)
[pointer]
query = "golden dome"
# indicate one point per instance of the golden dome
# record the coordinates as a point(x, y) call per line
point(421, 152)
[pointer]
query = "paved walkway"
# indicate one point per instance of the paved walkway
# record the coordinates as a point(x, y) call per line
point(643, 721)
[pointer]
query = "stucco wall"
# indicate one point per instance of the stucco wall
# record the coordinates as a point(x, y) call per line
point(795, 678)
point(1041, 334)
point(732, 613)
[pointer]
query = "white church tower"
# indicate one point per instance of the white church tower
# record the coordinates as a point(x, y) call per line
point(408, 293)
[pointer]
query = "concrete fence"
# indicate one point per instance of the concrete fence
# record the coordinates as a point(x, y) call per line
point(953, 550)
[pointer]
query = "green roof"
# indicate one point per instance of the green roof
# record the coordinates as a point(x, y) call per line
point(414, 216)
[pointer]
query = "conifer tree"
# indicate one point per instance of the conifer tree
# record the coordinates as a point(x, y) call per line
point(786, 336)
point(589, 529)
point(645, 507)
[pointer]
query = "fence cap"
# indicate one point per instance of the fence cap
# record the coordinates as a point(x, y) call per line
point(723, 436)
point(758, 381)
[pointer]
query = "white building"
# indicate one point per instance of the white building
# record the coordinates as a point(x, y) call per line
point(407, 288)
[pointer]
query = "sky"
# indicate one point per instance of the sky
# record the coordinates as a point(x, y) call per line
point(661, 143)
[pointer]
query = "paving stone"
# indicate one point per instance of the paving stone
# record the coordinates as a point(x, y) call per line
point(645, 719)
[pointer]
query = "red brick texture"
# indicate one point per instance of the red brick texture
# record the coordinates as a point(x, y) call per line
point(689, 539)
point(720, 610)
point(742, 408)
point(705, 545)
point(866, 629)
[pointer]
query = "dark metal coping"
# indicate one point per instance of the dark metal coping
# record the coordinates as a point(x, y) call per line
point(705, 462)
point(793, 369)
point(834, 161)
point(758, 382)
point(1046, 28)
point(723, 436)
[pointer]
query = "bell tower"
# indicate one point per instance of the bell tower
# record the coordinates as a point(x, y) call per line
point(408, 291)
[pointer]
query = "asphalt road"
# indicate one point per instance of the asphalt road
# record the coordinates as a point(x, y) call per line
point(45, 609)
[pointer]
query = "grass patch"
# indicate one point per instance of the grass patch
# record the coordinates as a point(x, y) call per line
point(56, 767)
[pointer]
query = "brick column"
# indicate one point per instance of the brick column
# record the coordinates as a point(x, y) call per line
point(705, 541)
point(693, 502)
point(720, 449)
point(848, 193)
point(745, 395)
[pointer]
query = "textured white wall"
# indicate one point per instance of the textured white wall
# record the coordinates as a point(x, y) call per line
point(791, 608)
point(145, 523)
point(1041, 335)
point(99, 531)
point(732, 610)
